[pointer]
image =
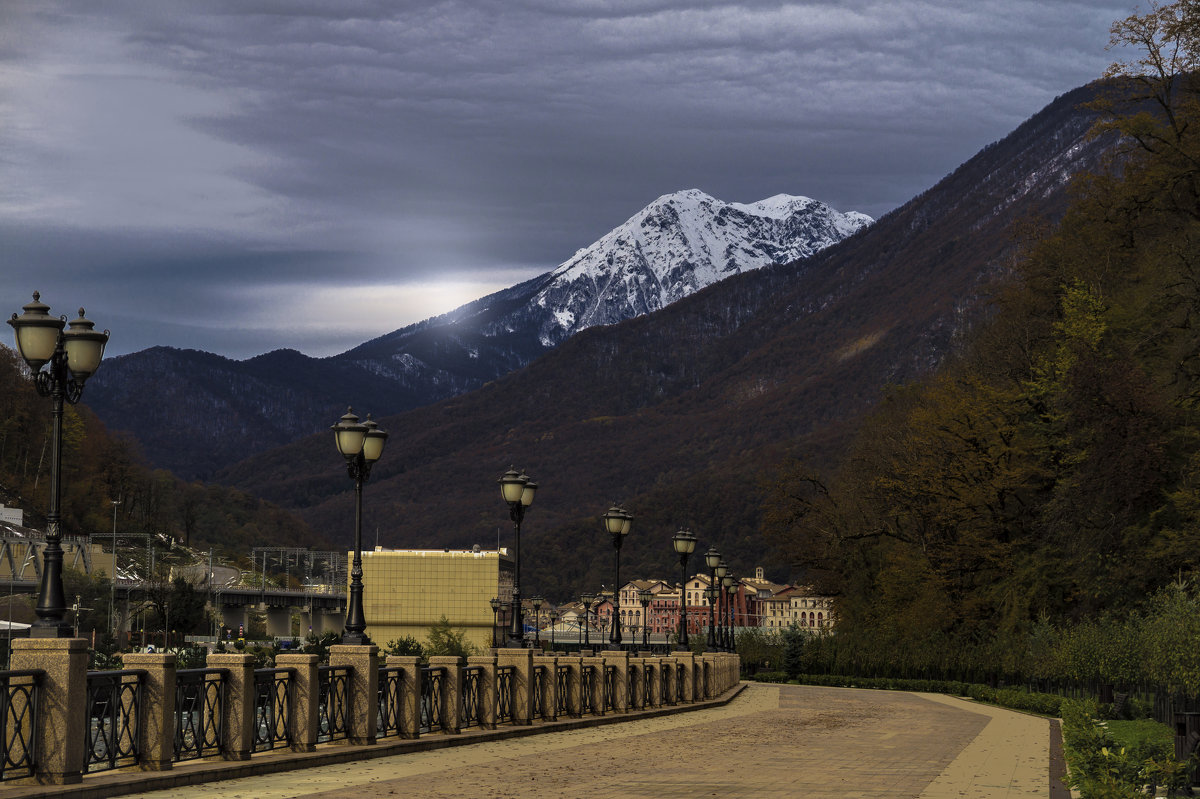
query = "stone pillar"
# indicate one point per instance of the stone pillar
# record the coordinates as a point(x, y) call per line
point(410, 694)
point(550, 696)
point(363, 699)
point(487, 690)
point(156, 734)
point(688, 660)
point(522, 682)
point(306, 699)
point(451, 666)
point(620, 659)
point(574, 685)
point(63, 704)
point(654, 666)
point(238, 724)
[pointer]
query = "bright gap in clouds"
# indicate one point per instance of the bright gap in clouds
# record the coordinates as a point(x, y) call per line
point(323, 318)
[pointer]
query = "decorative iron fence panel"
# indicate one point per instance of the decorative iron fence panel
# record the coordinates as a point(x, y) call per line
point(431, 698)
point(647, 686)
point(469, 716)
point(114, 718)
point(333, 691)
point(20, 720)
point(679, 671)
point(587, 692)
point(272, 708)
point(199, 712)
point(664, 683)
point(560, 693)
point(391, 687)
point(504, 687)
point(539, 692)
point(610, 688)
point(631, 686)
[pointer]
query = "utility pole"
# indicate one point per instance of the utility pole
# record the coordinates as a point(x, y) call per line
point(112, 581)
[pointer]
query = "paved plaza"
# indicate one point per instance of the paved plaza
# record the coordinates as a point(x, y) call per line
point(771, 741)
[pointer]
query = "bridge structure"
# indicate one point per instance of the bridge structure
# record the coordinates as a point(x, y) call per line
point(320, 608)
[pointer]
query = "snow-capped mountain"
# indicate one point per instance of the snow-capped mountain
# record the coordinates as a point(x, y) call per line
point(675, 246)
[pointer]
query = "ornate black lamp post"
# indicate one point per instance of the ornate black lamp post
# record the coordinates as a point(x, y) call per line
point(537, 621)
point(712, 559)
point(517, 490)
point(361, 444)
point(685, 544)
point(644, 598)
point(730, 591)
point(495, 603)
point(553, 625)
point(617, 521)
point(72, 357)
point(587, 600)
point(718, 584)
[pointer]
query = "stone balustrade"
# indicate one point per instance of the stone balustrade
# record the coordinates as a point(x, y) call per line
point(301, 707)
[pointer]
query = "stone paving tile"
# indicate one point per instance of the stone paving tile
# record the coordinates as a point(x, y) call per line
point(772, 741)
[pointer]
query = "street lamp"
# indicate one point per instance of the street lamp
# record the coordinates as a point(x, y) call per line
point(361, 444)
point(685, 544)
point(537, 621)
point(587, 600)
point(617, 522)
point(644, 598)
point(517, 490)
point(495, 603)
point(712, 559)
point(730, 590)
point(72, 357)
point(721, 571)
point(553, 627)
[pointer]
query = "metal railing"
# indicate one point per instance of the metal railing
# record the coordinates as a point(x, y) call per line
point(679, 671)
point(610, 688)
point(20, 721)
point(469, 715)
point(664, 684)
point(431, 698)
point(391, 686)
point(560, 693)
point(199, 712)
point(114, 718)
point(539, 692)
point(504, 693)
point(647, 686)
point(333, 691)
point(272, 708)
point(632, 682)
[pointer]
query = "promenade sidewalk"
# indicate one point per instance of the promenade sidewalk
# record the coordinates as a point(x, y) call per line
point(771, 741)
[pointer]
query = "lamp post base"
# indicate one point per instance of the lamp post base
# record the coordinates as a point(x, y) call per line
point(355, 639)
point(62, 630)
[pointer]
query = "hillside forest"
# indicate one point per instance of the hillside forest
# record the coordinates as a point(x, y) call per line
point(1046, 479)
point(99, 467)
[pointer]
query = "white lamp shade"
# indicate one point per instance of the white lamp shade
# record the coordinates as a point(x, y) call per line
point(84, 346)
point(721, 569)
point(512, 486)
point(36, 333)
point(349, 435)
point(527, 493)
point(712, 558)
point(614, 520)
point(684, 543)
point(627, 523)
point(373, 441)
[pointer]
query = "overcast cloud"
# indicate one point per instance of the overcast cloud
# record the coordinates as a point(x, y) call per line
point(245, 175)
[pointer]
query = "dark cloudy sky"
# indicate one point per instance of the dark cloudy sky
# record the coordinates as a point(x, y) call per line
point(244, 175)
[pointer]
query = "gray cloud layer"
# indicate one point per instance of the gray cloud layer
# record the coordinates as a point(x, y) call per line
point(243, 175)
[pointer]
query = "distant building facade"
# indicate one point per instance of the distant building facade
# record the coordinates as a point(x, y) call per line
point(407, 591)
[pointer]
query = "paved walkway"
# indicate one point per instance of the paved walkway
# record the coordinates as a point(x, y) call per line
point(771, 741)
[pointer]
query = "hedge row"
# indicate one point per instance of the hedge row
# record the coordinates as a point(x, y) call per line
point(1016, 699)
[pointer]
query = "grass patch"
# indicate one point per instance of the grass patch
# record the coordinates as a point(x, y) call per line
point(1143, 735)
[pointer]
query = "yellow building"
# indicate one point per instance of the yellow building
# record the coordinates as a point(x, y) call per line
point(407, 591)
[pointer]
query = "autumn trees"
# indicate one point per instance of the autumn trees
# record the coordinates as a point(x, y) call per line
point(1049, 469)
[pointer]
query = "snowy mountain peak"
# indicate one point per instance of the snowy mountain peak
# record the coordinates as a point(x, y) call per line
point(677, 245)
